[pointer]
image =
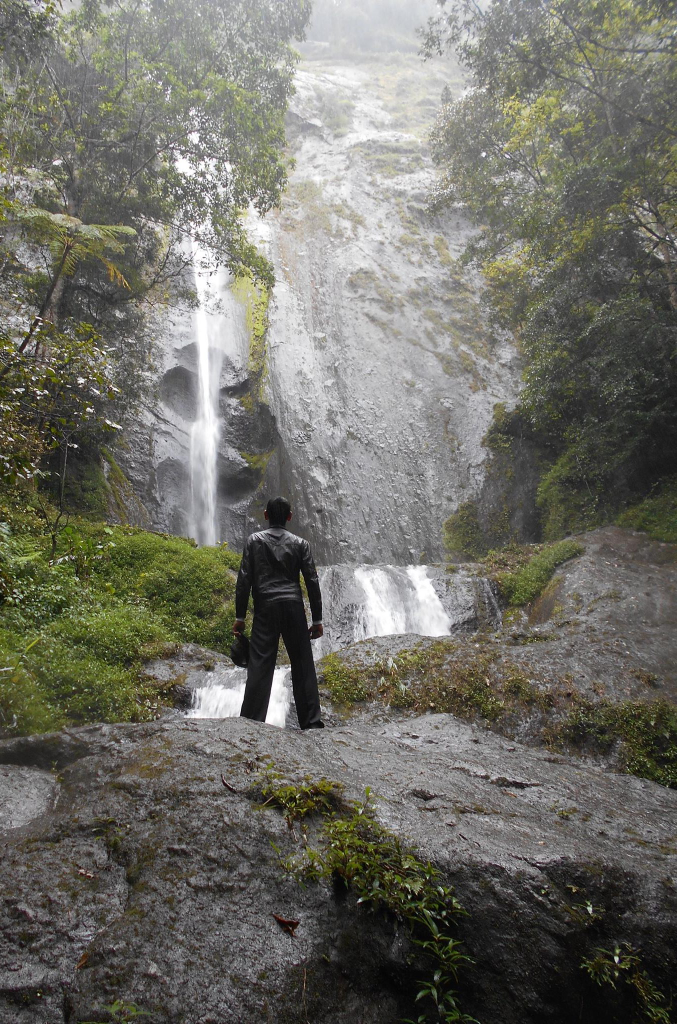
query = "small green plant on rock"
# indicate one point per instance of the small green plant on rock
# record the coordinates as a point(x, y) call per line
point(299, 800)
point(624, 965)
point(525, 584)
point(120, 1012)
point(363, 855)
point(646, 732)
point(345, 683)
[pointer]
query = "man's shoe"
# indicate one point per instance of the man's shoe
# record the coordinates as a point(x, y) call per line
point(315, 725)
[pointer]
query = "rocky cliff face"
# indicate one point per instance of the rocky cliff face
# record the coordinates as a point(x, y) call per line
point(379, 374)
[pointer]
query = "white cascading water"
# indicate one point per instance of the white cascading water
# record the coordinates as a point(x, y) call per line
point(204, 434)
point(224, 699)
point(399, 601)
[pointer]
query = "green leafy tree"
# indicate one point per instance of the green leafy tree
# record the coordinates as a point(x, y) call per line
point(564, 150)
point(127, 126)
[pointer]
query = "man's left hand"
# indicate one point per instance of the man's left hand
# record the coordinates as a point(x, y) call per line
point(316, 631)
point(238, 626)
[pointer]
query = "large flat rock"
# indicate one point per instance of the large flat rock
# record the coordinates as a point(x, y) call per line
point(153, 882)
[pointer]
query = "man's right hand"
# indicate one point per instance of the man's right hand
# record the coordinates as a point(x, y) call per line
point(238, 627)
point(316, 631)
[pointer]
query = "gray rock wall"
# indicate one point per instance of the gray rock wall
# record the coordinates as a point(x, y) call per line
point(380, 371)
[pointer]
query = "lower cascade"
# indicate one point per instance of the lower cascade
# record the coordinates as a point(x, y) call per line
point(361, 602)
point(222, 698)
point(399, 601)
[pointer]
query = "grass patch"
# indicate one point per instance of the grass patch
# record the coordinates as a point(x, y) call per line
point(440, 677)
point(656, 515)
point(75, 631)
point(346, 685)
point(524, 584)
point(646, 734)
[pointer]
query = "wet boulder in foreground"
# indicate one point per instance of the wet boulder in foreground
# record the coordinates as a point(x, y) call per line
point(153, 883)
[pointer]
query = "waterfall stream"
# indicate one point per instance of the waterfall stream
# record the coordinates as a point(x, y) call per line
point(399, 601)
point(204, 434)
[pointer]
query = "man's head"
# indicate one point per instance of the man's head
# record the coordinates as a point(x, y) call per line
point(278, 511)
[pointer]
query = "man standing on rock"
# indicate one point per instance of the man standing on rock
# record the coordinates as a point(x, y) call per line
point(271, 562)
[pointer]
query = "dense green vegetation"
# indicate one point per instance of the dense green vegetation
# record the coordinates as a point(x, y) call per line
point(563, 150)
point(126, 129)
point(656, 514)
point(523, 584)
point(75, 629)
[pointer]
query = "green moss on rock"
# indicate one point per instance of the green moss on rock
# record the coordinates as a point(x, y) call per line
point(462, 532)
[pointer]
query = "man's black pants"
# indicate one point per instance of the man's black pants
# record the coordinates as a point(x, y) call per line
point(288, 619)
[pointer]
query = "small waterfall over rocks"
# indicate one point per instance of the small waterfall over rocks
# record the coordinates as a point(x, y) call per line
point(222, 697)
point(399, 601)
point(361, 602)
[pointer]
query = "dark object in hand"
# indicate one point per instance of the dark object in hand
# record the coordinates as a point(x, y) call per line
point(239, 650)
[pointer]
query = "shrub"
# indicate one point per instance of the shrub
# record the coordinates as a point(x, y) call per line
point(647, 734)
point(190, 588)
point(83, 687)
point(345, 683)
point(657, 514)
point(72, 633)
point(462, 533)
point(24, 707)
point(119, 635)
point(526, 583)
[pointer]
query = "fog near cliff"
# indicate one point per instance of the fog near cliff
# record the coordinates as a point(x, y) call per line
point(349, 27)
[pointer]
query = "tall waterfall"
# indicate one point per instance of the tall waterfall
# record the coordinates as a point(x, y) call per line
point(204, 435)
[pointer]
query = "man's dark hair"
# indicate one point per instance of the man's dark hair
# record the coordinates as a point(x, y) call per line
point(278, 510)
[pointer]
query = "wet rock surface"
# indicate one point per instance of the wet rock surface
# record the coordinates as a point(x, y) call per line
point(25, 794)
point(380, 373)
point(155, 883)
point(613, 613)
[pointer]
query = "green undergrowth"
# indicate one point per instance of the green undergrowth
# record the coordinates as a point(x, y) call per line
point(656, 515)
point(475, 683)
point(522, 585)
point(74, 630)
point(441, 677)
point(644, 733)
point(462, 532)
point(358, 853)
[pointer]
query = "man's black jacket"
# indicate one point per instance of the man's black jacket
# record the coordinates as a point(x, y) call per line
point(271, 562)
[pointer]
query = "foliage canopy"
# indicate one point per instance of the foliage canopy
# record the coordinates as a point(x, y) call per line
point(564, 148)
